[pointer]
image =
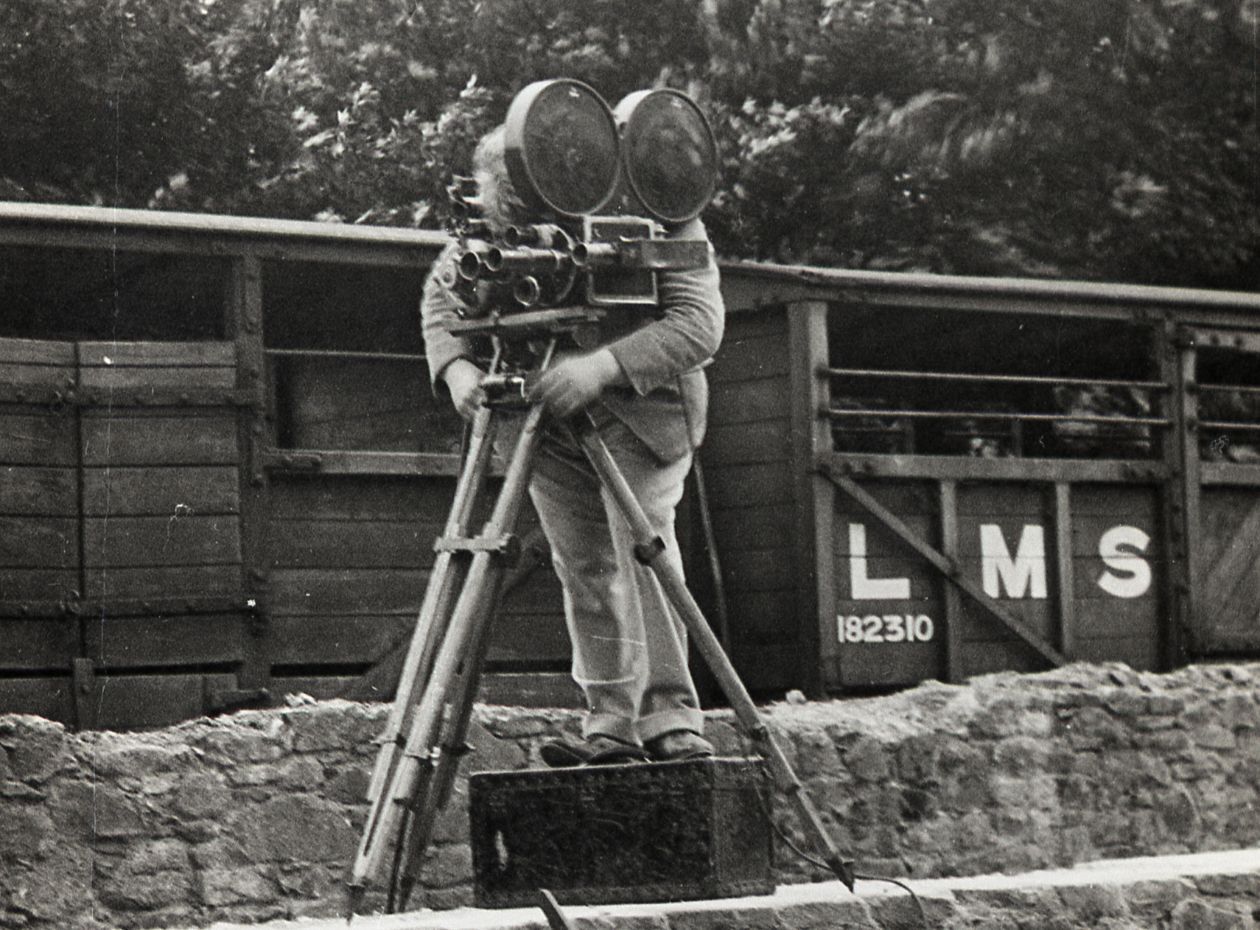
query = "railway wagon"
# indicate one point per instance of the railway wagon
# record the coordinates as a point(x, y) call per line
point(222, 471)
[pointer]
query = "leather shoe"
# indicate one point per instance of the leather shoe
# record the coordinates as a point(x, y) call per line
point(596, 749)
point(679, 746)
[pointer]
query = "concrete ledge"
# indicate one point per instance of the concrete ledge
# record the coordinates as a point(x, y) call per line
point(1205, 891)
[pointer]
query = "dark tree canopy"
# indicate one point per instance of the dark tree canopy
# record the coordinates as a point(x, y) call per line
point(1102, 139)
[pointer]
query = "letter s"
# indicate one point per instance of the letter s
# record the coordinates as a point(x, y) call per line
point(1129, 575)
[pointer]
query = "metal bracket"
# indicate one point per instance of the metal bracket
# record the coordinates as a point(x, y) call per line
point(508, 546)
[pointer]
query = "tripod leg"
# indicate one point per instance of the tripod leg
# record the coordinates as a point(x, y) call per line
point(422, 777)
point(648, 549)
point(433, 620)
point(444, 580)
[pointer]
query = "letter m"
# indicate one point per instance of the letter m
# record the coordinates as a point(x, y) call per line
point(1021, 576)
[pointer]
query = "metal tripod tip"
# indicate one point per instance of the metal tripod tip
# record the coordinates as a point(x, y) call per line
point(354, 898)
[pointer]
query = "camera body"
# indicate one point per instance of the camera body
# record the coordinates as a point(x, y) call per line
point(605, 187)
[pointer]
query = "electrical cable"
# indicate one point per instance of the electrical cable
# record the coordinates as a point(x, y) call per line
point(818, 863)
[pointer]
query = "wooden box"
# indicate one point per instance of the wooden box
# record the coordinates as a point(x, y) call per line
point(609, 834)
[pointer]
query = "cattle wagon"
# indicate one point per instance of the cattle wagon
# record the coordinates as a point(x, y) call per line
point(222, 471)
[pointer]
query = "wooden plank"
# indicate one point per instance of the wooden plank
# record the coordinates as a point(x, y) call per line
point(749, 401)
point(880, 541)
point(743, 443)
point(48, 697)
point(1038, 618)
point(529, 639)
point(529, 689)
point(351, 543)
point(356, 404)
point(146, 642)
point(19, 352)
point(207, 354)
point(1101, 500)
point(768, 669)
point(312, 640)
point(1116, 618)
point(178, 539)
point(360, 498)
point(754, 527)
point(951, 599)
point(126, 702)
point(1141, 653)
point(136, 381)
point(905, 498)
point(141, 437)
point(749, 355)
point(163, 490)
point(1004, 500)
point(150, 583)
point(28, 438)
point(36, 589)
point(35, 491)
point(347, 592)
point(38, 542)
point(765, 617)
point(37, 645)
point(319, 687)
point(47, 377)
point(743, 485)
point(759, 569)
point(865, 666)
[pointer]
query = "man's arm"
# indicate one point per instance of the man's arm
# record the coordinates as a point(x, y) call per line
point(452, 363)
point(687, 335)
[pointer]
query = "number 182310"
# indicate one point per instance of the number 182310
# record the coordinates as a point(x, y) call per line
point(885, 628)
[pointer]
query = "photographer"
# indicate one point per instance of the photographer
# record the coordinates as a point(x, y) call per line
point(639, 377)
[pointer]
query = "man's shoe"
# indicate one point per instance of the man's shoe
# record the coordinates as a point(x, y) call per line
point(679, 746)
point(596, 749)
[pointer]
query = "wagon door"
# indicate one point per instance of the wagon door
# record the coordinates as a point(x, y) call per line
point(165, 614)
point(1225, 365)
point(39, 526)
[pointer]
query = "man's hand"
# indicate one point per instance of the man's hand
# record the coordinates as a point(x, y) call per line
point(463, 378)
point(573, 383)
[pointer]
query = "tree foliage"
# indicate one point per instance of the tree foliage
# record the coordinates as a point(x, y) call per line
point(1106, 139)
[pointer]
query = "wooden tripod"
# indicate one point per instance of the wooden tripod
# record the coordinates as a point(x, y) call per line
point(425, 734)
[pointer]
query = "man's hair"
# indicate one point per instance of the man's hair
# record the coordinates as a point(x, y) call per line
point(501, 205)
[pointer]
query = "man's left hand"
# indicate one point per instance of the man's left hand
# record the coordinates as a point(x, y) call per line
point(573, 383)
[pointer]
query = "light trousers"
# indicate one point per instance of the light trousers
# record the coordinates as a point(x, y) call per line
point(629, 644)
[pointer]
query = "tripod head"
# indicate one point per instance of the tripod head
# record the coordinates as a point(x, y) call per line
point(601, 188)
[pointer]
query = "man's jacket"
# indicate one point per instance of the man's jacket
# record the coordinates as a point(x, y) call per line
point(661, 355)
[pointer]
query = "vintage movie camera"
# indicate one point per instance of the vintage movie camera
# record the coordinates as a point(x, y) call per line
point(602, 187)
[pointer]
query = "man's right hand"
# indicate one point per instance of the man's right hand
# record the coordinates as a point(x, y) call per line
point(463, 378)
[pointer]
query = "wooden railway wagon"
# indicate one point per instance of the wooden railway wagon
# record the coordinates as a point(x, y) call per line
point(222, 470)
point(919, 476)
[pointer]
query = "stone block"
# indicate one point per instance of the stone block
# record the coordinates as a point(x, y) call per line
point(245, 885)
point(117, 815)
point(1089, 905)
point(37, 748)
point(200, 795)
point(136, 760)
point(295, 828)
point(333, 725)
point(235, 744)
point(843, 914)
point(867, 759)
point(26, 831)
point(129, 891)
point(1198, 915)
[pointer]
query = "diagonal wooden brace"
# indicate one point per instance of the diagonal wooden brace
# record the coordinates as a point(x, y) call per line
point(942, 563)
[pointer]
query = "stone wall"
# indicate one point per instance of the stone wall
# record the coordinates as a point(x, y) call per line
point(257, 815)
